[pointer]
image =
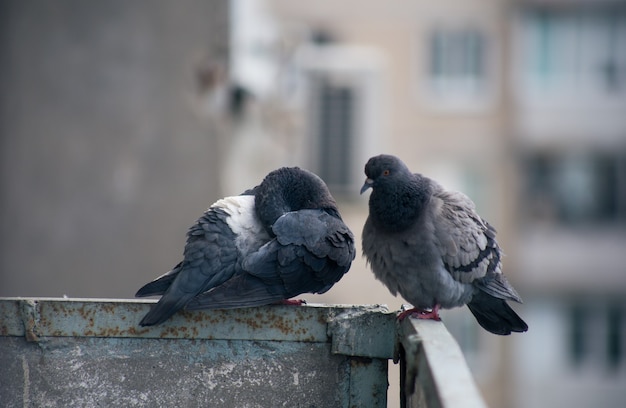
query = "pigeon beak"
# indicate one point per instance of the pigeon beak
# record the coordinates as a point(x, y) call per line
point(368, 184)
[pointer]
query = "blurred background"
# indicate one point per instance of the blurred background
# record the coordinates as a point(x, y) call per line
point(121, 121)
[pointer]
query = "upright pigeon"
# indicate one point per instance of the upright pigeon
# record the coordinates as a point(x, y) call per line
point(430, 245)
point(280, 239)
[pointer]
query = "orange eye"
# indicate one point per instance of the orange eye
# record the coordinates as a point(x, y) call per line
point(386, 173)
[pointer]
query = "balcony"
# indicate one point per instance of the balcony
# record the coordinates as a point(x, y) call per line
point(90, 352)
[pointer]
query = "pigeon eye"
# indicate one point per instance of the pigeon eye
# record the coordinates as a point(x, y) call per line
point(386, 173)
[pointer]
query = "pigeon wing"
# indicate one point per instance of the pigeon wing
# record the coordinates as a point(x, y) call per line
point(317, 241)
point(468, 246)
point(311, 252)
point(210, 258)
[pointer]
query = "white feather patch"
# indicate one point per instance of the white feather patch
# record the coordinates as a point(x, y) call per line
point(243, 222)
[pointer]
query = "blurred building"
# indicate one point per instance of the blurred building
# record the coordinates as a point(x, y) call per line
point(521, 105)
point(569, 131)
point(110, 139)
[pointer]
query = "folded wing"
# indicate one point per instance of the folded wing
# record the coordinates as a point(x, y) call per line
point(468, 246)
point(311, 252)
point(210, 259)
point(471, 255)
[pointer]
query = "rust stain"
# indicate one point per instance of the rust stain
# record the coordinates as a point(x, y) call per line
point(322, 319)
point(201, 317)
point(357, 361)
point(134, 332)
point(87, 313)
point(30, 333)
point(173, 331)
point(92, 319)
point(108, 308)
point(182, 332)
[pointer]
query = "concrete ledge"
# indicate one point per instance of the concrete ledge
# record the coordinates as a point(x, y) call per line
point(91, 352)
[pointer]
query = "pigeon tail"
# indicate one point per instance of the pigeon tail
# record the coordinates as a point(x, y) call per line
point(163, 311)
point(156, 287)
point(495, 315)
point(161, 284)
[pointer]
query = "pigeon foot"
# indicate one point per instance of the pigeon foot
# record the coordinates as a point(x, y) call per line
point(421, 314)
point(291, 302)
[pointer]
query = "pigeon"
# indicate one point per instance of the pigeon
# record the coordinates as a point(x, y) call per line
point(430, 245)
point(275, 241)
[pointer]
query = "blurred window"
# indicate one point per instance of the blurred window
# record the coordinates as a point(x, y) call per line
point(577, 338)
point(342, 99)
point(615, 336)
point(576, 188)
point(574, 51)
point(457, 61)
point(335, 131)
point(596, 334)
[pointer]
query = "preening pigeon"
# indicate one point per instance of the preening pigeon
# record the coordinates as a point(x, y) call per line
point(430, 245)
point(278, 240)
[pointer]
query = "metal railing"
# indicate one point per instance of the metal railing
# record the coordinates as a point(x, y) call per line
point(91, 352)
point(433, 373)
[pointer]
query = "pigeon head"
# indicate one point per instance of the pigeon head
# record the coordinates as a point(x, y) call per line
point(291, 189)
point(384, 170)
point(398, 196)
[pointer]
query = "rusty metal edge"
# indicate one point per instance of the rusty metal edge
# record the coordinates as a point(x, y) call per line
point(39, 318)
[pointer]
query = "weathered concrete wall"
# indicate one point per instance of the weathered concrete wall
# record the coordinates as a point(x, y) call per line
point(90, 352)
point(105, 156)
point(87, 353)
point(91, 372)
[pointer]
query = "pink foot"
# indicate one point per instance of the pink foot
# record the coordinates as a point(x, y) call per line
point(291, 302)
point(421, 314)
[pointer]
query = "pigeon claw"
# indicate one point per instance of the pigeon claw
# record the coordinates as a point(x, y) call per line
point(421, 314)
point(291, 302)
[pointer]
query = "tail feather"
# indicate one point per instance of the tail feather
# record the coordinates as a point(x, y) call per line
point(160, 285)
point(163, 310)
point(495, 315)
